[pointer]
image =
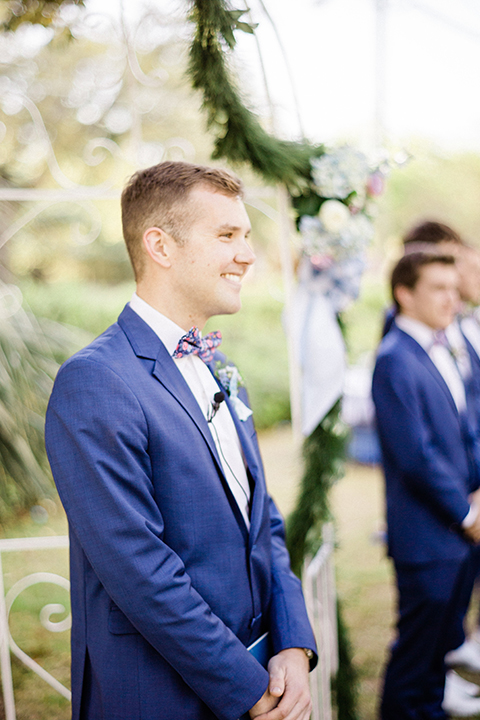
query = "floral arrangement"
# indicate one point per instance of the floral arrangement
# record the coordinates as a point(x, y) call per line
point(334, 219)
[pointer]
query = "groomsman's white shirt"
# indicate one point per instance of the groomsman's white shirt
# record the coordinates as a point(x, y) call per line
point(439, 354)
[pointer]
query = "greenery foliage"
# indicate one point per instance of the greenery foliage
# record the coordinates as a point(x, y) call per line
point(30, 351)
point(323, 453)
point(239, 136)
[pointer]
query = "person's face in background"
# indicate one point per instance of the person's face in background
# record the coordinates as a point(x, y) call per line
point(467, 261)
point(435, 299)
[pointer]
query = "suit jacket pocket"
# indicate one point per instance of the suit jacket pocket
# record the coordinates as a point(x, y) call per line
point(119, 624)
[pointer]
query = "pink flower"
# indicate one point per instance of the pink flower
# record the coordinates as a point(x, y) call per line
point(375, 184)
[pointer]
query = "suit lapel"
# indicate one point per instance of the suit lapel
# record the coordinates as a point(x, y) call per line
point(147, 344)
point(426, 361)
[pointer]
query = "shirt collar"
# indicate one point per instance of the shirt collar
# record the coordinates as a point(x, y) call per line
point(420, 332)
point(168, 331)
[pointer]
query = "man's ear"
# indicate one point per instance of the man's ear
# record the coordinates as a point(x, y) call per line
point(403, 295)
point(158, 245)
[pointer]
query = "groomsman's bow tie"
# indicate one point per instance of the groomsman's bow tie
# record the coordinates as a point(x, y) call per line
point(193, 344)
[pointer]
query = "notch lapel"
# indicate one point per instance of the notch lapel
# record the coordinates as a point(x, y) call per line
point(146, 344)
point(428, 363)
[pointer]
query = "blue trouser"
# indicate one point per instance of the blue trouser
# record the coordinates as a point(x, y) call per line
point(430, 601)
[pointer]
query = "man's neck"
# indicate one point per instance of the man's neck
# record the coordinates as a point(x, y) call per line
point(169, 307)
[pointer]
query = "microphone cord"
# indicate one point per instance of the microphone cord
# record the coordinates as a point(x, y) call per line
point(215, 406)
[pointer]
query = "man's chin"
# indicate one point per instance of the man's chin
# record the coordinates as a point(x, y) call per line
point(230, 308)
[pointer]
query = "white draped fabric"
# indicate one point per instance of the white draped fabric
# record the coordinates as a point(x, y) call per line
point(321, 354)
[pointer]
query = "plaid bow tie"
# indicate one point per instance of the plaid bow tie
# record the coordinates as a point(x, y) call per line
point(192, 344)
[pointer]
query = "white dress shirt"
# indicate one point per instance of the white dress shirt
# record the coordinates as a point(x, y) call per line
point(203, 386)
point(446, 365)
point(439, 354)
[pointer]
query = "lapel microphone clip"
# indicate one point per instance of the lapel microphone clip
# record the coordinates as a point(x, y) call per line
point(218, 398)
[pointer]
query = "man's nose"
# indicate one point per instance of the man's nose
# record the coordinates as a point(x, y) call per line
point(245, 254)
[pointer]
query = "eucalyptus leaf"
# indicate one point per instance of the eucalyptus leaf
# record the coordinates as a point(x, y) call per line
point(236, 14)
point(246, 27)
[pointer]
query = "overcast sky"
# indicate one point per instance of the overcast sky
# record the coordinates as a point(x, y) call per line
point(431, 67)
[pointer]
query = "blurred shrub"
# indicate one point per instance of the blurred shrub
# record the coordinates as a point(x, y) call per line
point(30, 351)
point(91, 307)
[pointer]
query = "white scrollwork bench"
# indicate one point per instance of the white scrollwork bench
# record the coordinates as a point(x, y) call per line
point(7, 642)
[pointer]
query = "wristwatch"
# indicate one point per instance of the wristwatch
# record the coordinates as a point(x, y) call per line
point(309, 653)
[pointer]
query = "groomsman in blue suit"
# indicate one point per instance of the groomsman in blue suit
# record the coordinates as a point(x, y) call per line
point(178, 560)
point(427, 425)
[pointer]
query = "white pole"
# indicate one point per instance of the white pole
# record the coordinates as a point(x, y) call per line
point(5, 663)
point(289, 287)
point(380, 73)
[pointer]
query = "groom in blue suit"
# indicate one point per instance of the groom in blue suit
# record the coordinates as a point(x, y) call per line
point(426, 414)
point(178, 560)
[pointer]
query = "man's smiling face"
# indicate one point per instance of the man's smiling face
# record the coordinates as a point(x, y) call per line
point(210, 265)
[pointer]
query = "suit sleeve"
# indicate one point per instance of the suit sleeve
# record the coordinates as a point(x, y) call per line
point(289, 623)
point(97, 443)
point(407, 442)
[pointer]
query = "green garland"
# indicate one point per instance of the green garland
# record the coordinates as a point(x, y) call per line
point(239, 136)
point(323, 454)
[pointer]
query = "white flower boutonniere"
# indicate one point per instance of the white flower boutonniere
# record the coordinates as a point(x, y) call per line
point(232, 381)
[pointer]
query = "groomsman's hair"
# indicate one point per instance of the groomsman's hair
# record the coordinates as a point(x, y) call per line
point(158, 197)
point(408, 270)
point(428, 234)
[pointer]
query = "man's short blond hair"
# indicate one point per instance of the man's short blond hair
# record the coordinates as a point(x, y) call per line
point(156, 197)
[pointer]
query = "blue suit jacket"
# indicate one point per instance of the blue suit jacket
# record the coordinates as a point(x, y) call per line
point(430, 453)
point(168, 587)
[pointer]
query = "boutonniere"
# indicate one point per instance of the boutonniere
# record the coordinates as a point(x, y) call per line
point(231, 380)
point(455, 353)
